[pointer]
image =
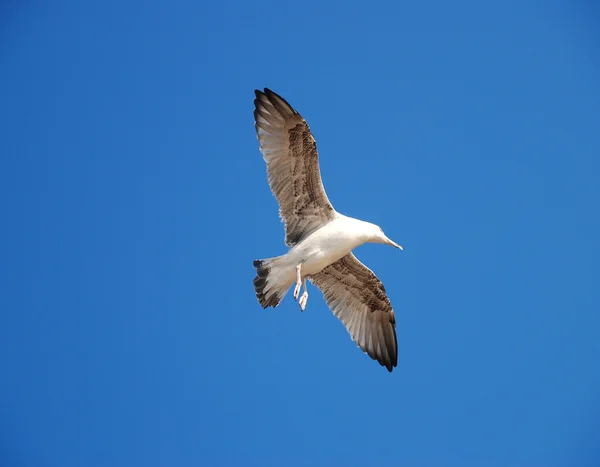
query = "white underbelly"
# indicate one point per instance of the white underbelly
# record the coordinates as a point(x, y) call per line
point(317, 263)
point(320, 250)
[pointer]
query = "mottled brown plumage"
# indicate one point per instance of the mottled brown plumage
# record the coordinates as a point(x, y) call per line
point(290, 152)
point(358, 299)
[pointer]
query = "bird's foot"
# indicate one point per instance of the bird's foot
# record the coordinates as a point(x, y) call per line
point(298, 281)
point(303, 300)
point(297, 290)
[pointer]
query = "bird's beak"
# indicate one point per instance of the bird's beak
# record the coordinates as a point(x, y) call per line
point(390, 242)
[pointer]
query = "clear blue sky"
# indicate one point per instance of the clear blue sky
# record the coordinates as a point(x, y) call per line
point(134, 199)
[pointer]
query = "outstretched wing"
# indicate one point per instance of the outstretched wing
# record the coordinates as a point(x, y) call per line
point(358, 299)
point(290, 151)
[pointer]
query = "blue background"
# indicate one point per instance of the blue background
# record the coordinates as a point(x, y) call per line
point(134, 199)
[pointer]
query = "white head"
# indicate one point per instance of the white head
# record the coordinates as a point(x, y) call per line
point(376, 235)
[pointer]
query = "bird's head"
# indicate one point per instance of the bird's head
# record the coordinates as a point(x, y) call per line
point(376, 235)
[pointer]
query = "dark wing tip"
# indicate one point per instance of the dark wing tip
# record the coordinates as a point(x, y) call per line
point(395, 353)
point(268, 93)
point(389, 364)
point(392, 346)
point(257, 100)
point(390, 361)
point(275, 100)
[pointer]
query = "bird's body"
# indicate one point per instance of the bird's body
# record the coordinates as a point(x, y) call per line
point(328, 244)
point(320, 239)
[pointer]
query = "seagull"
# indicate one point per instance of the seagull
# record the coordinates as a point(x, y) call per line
point(320, 239)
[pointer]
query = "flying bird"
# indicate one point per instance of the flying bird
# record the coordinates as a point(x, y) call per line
point(319, 238)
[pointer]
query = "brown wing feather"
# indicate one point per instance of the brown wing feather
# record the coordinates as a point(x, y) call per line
point(290, 151)
point(357, 297)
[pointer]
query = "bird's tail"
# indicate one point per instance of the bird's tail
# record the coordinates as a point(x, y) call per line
point(267, 283)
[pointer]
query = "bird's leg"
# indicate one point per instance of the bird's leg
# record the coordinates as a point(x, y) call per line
point(298, 281)
point(304, 297)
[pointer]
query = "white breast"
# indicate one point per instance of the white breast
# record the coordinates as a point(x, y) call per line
point(325, 246)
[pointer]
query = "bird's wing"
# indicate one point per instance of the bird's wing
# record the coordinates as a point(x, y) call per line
point(290, 151)
point(358, 299)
